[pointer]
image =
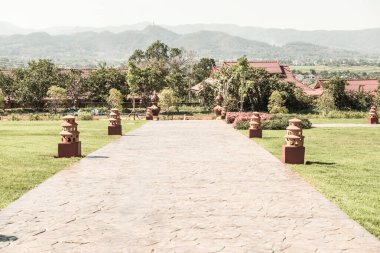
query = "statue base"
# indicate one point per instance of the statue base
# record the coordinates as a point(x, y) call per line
point(372, 121)
point(293, 155)
point(255, 133)
point(115, 130)
point(69, 149)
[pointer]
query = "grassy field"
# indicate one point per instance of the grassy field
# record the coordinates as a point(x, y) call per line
point(357, 69)
point(336, 121)
point(28, 149)
point(343, 164)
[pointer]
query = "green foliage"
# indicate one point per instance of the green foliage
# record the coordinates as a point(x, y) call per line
point(281, 122)
point(254, 86)
point(277, 102)
point(102, 80)
point(156, 68)
point(33, 82)
point(346, 115)
point(85, 116)
point(326, 103)
point(202, 69)
point(57, 97)
point(115, 99)
point(207, 94)
point(242, 125)
point(74, 85)
point(2, 99)
point(336, 88)
point(6, 84)
point(168, 98)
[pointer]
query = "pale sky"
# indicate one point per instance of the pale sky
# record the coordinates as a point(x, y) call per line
point(298, 14)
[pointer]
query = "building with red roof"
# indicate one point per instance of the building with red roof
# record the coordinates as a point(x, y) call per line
point(368, 86)
point(272, 67)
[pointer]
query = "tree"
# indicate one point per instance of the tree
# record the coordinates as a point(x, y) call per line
point(6, 84)
point(156, 68)
point(326, 103)
point(277, 102)
point(202, 69)
point(2, 99)
point(57, 97)
point(74, 85)
point(376, 99)
point(33, 82)
point(336, 88)
point(102, 80)
point(168, 98)
point(115, 99)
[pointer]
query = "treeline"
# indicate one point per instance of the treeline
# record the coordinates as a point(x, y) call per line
point(43, 84)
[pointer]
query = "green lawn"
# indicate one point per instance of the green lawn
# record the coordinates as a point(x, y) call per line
point(336, 121)
point(343, 164)
point(28, 149)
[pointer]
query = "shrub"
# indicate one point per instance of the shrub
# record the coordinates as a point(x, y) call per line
point(115, 99)
point(346, 114)
point(85, 116)
point(15, 117)
point(242, 125)
point(281, 122)
point(277, 102)
point(35, 117)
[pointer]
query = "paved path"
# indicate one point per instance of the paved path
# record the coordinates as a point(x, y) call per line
point(179, 186)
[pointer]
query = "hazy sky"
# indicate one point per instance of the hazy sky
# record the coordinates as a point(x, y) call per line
point(299, 14)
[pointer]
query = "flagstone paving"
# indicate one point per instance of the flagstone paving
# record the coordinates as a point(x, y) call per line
point(179, 186)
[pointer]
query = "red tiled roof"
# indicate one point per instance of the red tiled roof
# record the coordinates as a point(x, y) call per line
point(291, 79)
point(272, 67)
point(369, 86)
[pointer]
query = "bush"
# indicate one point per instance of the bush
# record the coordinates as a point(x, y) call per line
point(15, 117)
point(35, 117)
point(346, 115)
point(242, 125)
point(281, 122)
point(85, 116)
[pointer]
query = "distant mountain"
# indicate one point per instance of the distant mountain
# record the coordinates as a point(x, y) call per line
point(117, 47)
point(7, 28)
point(358, 40)
point(366, 41)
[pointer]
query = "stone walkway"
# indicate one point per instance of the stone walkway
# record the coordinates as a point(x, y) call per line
point(179, 186)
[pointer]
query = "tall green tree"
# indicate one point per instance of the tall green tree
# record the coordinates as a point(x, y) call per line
point(202, 69)
point(336, 88)
point(157, 67)
point(33, 82)
point(102, 80)
point(57, 96)
point(74, 84)
point(115, 99)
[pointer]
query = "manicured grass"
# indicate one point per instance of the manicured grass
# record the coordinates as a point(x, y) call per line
point(28, 149)
point(343, 164)
point(336, 121)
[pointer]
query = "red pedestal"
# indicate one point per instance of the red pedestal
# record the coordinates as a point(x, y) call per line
point(115, 130)
point(293, 155)
point(69, 149)
point(373, 120)
point(255, 133)
point(149, 118)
